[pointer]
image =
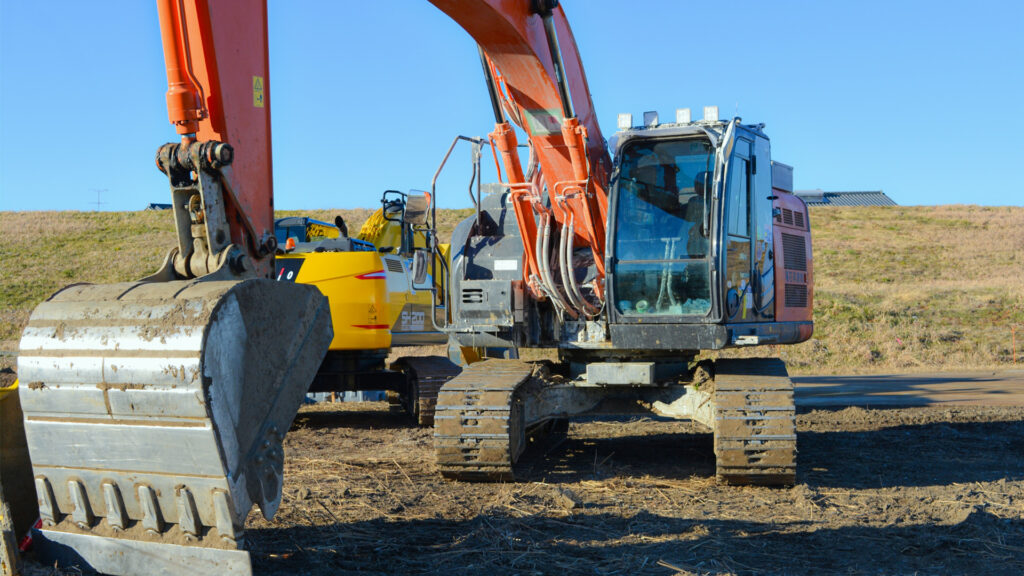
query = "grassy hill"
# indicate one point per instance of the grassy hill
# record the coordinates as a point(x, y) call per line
point(914, 289)
point(896, 288)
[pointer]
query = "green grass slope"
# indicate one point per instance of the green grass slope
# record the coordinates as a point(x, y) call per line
point(896, 288)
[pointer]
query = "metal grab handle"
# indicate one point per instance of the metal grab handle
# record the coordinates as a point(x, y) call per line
point(478, 144)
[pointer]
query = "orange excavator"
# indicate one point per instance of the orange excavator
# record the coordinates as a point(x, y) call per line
point(155, 411)
point(690, 240)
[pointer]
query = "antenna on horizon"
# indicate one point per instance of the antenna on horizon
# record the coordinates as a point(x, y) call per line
point(98, 191)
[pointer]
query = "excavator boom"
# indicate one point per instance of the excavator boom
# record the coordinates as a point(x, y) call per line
point(220, 92)
point(537, 81)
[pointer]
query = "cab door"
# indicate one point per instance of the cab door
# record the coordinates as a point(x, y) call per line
point(749, 258)
point(763, 250)
point(738, 232)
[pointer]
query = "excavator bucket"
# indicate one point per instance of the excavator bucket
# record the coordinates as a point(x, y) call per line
point(155, 414)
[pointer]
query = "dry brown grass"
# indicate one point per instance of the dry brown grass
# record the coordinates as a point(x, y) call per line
point(915, 288)
point(896, 288)
point(362, 495)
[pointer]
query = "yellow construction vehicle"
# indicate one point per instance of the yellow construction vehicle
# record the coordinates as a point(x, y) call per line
point(376, 302)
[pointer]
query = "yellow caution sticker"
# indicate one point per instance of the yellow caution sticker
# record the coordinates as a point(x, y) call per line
point(257, 91)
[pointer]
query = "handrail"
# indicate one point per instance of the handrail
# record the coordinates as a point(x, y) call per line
point(478, 143)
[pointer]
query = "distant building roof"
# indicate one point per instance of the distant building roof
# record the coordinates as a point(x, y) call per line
point(822, 198)
point(158, 206)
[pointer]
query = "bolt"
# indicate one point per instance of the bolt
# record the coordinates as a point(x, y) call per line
point(269, 245)
point(222, 155)
point(239, 263)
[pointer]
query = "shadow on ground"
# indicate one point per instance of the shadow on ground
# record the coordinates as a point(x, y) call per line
point(907, 455)
point(370, 419)
point(605, 544)
point(903, 390)
point(913, 455)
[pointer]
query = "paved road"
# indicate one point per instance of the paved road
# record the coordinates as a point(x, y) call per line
point(1004, 388)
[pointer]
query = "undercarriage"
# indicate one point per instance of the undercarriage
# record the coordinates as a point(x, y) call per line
point(487, 415)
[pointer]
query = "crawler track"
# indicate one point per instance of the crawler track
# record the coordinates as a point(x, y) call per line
point(478, 427)
point(755, 422)
point(427, 374)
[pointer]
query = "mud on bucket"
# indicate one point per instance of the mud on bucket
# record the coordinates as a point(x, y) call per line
point(155, 413)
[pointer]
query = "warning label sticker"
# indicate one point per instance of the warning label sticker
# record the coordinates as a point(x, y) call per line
point(257, 91)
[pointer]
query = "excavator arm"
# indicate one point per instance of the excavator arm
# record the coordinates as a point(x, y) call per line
point(218, 99)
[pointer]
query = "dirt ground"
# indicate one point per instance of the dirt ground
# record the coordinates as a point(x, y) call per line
point(922, 490)
point(927, 490)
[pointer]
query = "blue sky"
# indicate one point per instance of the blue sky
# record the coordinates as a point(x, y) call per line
point(924, 100)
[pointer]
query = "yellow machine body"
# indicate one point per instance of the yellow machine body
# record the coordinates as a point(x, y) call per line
point(375, 303)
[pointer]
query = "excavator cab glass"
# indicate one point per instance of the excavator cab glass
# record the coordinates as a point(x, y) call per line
point(660, 249)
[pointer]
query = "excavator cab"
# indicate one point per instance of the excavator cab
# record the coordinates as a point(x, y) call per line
point(691, 247)
point(665, 273)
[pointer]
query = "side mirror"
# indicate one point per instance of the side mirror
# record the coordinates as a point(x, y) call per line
point(420, 262)
point(416, 206)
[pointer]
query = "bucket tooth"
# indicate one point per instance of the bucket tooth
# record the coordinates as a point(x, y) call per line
point(116, 515)
point(81, 511)
point(224, 513)
point(152, 520)
point(162, 406)
point(189, 516)
point(47, 503)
